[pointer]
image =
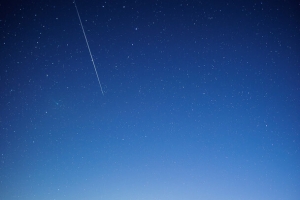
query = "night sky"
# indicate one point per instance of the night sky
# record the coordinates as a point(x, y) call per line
point(200, 100)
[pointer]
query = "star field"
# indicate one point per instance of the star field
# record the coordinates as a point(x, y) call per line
point(200, 100)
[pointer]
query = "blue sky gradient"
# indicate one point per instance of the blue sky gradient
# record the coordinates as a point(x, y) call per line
point(201, 100)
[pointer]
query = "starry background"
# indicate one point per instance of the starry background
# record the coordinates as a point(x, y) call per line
point(201, 100)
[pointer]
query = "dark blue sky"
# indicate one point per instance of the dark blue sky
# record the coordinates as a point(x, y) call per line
point(201, 100)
